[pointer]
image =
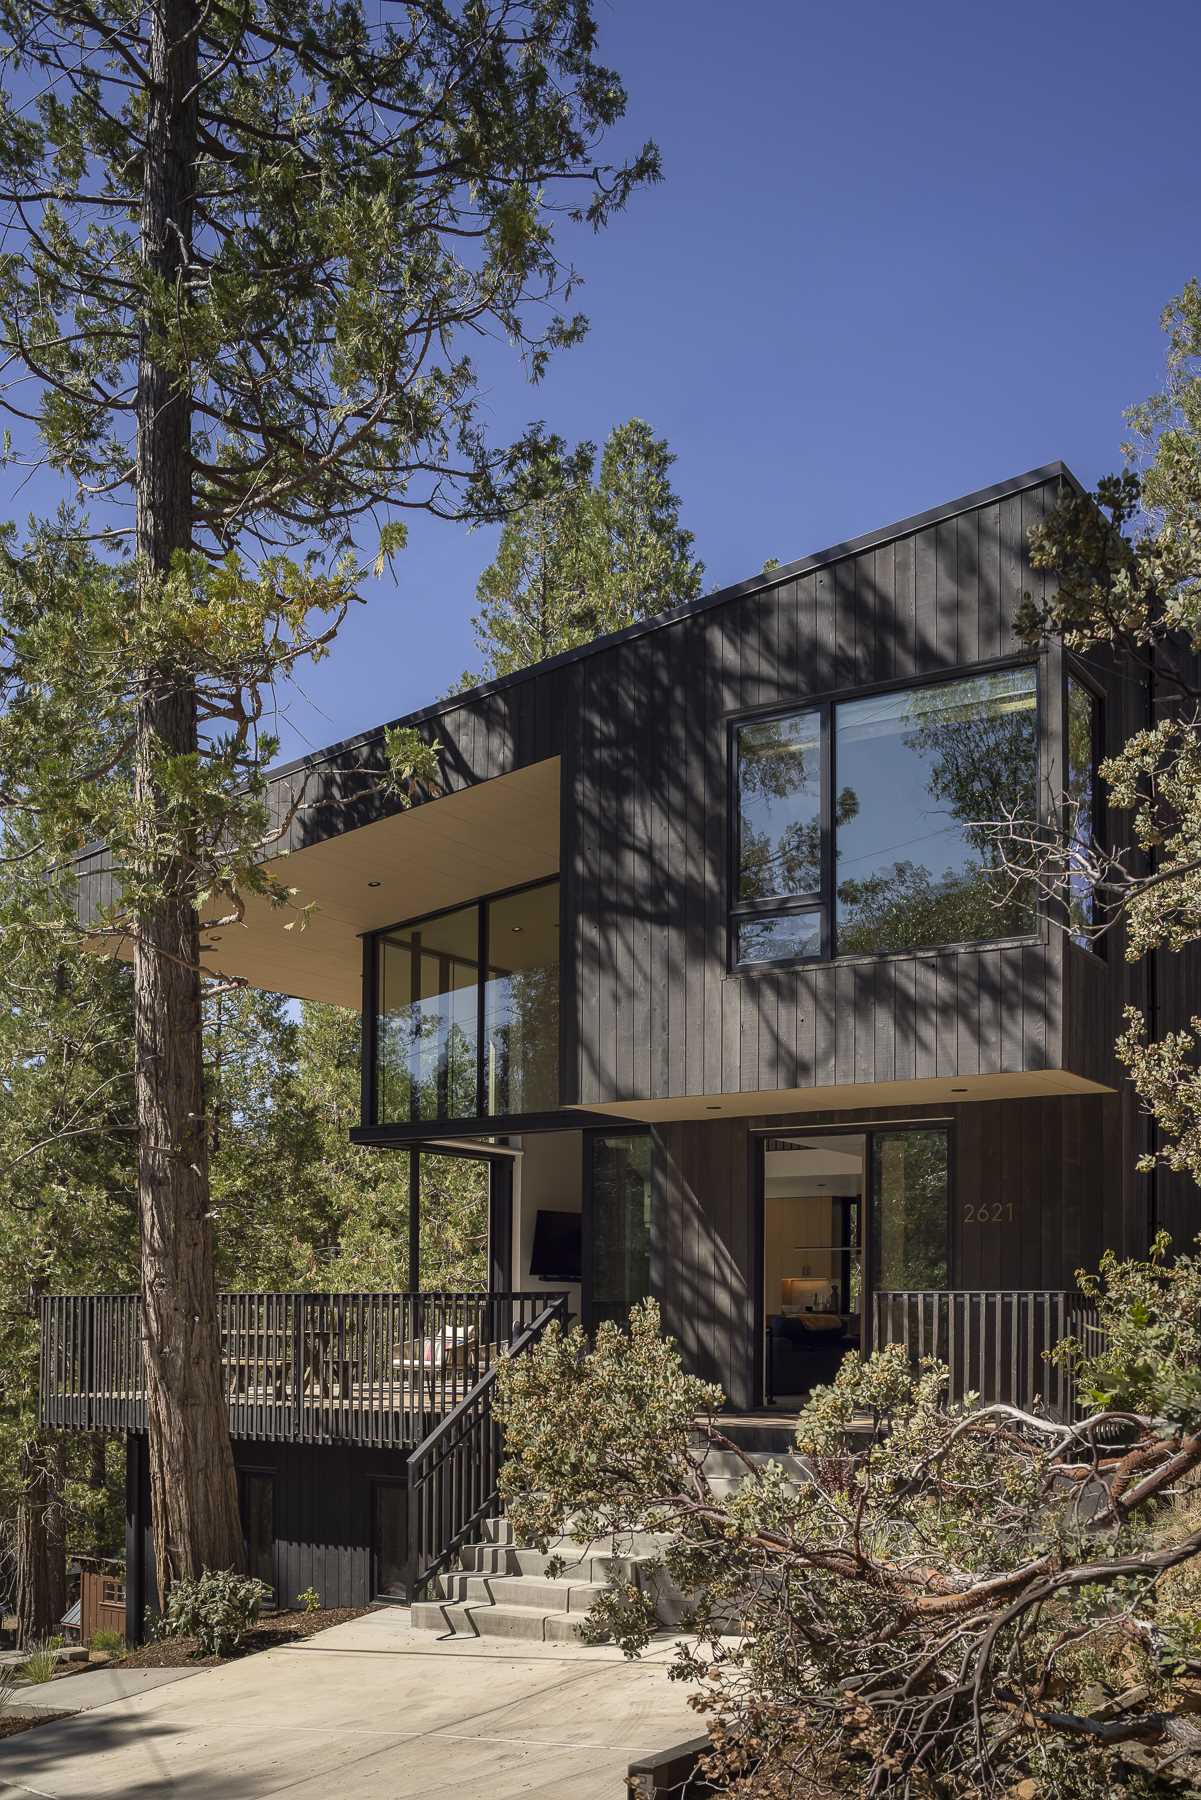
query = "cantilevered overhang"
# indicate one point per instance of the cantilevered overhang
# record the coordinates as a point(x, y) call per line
point(492, 835)
point(944, 1091)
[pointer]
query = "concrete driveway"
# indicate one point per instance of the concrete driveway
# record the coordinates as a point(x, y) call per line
point(367, 1708)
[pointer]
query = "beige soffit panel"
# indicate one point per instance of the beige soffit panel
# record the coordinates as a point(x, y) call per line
point(497, 834)
point(851, 1096)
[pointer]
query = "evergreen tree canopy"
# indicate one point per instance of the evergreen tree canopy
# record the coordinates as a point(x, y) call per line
point(588, 553)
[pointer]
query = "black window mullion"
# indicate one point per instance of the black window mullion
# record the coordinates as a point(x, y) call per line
point(415, 1035)
point(481, 1054)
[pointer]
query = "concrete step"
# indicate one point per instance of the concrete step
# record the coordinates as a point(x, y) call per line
point(519, 1590)
point(725, 1471)
point(465, 1619)
point(497, 1531)
point(580, 1565)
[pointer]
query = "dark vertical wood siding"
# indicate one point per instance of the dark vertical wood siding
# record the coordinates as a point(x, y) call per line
point(322, 1516)
point(660, 1013)
point(1037, 1195)
point(1050, 1160)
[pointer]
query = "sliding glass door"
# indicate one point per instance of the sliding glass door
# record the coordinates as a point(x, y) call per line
point(845, 1214)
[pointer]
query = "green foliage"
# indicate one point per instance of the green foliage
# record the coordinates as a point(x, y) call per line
point(1144, 1354)
point(309, 1601)
point(41, 1662)
point(953, 1601)
point(586, 553)
point(110, 1643)
point(216, 1608)
point(1127, 563)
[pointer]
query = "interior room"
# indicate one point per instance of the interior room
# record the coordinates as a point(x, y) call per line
point(812, 1258)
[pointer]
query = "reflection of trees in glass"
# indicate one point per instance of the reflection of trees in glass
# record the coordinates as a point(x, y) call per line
point(978, 740)
point(910, 1188)
point(779, 787)
point(621, 1224)
point(1080, 797)
point(523, 1040)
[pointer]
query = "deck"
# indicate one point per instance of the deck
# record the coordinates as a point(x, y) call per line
point(372, 1369)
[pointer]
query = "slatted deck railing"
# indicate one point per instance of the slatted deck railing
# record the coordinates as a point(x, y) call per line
point(375, 1369)
point(993, 1340)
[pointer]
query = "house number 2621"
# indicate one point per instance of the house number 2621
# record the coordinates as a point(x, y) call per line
point(996, 1212)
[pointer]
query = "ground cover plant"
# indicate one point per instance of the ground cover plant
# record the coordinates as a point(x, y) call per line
point(960, 1600)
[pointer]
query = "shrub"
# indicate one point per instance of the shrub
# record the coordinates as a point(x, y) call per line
point(309, 1601)
point(109, 1641)
point(8, 1687)
point(216, 1609)
point(41, 1662)
point(967, 1600)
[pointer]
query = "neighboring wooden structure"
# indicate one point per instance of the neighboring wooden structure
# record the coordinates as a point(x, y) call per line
point(101, 1602)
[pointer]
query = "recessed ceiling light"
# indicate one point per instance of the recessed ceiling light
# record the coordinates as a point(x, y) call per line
point(373, 884)
point(516, 928)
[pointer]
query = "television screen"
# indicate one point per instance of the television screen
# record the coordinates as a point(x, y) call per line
point(556, 1252)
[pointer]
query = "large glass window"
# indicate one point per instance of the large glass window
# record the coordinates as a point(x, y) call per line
point(1083, 742)
point(620, 1197)
point(921, 774)
point(898, 844)
point(429, 1018)
point(467, 1014)
point(522, 1002)
point(910, 1196)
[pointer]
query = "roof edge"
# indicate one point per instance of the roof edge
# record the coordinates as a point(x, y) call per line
point(739, 590)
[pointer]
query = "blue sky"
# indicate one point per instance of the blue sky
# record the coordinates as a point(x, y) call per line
point(899, 252)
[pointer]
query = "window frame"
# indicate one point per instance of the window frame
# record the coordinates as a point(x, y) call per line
point(372, 968)
point(825, 705)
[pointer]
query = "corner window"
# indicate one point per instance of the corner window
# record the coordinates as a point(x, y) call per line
point(467, 1010)
point(1081, 796)
point(863, 826)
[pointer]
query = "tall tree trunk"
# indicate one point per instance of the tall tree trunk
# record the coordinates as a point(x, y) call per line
point(193, 1493)
point(41, 1549)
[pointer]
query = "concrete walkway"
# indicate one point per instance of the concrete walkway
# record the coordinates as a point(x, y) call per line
point(367, 1708)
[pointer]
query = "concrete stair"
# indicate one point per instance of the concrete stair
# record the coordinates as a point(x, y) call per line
point(500, 1590)
point(725, 1472)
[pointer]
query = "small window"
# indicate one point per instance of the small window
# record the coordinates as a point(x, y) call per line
point(780, 840)
point(1082, 808)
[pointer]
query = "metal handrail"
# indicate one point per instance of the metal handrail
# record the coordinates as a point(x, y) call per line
point(453, 1473)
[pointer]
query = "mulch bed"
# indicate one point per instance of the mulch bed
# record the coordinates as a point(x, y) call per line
point(12, 1723)
point(275, 1628)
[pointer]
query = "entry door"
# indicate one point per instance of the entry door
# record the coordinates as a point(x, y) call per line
point(257, 1497)
point(389, 1540)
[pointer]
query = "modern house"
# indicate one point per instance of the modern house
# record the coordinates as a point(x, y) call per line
point(701, 945)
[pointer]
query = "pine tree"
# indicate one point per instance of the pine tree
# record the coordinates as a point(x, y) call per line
point(586, 554)
point(246, 246)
